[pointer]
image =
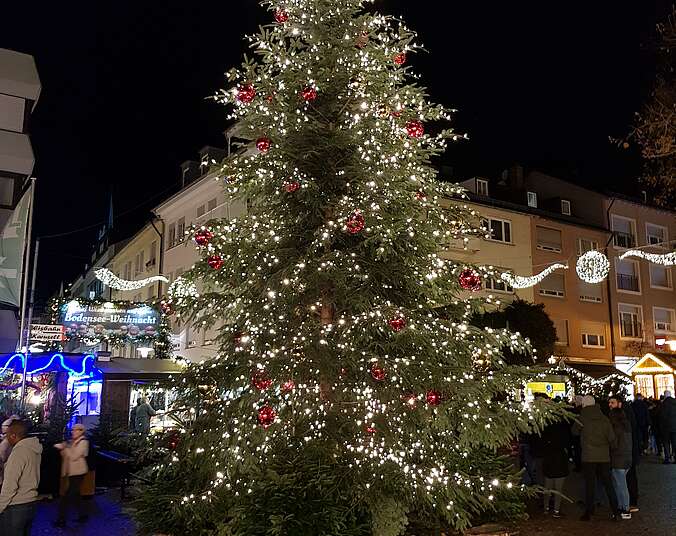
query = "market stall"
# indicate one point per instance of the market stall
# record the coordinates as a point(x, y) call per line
point(654, 374)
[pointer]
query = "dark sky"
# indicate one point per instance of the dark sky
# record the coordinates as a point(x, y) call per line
point(124, 88)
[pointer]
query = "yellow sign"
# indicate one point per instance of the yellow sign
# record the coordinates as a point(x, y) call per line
point(551, 389)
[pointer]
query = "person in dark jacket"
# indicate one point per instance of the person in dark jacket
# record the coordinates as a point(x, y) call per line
point(655, 431)
point(667, 418)
point(142, 417)
point(596, 437)
point(616, 402)
point(555, 445)
point(642, 415)
point(621, 458)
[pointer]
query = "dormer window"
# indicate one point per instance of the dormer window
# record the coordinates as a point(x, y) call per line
point(532, 199)
point(565, 207)
point(482, 187)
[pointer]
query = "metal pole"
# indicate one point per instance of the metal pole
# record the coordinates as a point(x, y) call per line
point(29, 234)
point(31, 305)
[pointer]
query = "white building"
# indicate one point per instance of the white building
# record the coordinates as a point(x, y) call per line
point(19, 91)
point(201, 199)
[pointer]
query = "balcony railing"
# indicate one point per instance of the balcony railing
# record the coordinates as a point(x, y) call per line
point(627, 282)
point(624, 240)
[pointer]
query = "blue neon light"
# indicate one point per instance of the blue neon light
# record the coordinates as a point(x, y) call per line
point(64, 367)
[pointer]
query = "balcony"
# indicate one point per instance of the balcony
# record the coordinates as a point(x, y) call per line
point(624, 240)
point(628, 282)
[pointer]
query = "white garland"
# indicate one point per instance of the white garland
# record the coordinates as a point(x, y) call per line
point(667, 259)
point(519, 281)
point(182, 288)
point(592, 267)
point(109, 278)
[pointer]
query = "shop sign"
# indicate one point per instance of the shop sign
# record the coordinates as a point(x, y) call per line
point(551, 389)
point(47, 333)
point(96, 320)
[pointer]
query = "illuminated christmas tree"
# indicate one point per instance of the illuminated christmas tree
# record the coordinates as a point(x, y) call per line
point(351, 395)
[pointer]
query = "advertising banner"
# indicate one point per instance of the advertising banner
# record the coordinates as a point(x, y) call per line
point(47, 333)
point(96, 320)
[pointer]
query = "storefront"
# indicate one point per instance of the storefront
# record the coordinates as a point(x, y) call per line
point(654, 374)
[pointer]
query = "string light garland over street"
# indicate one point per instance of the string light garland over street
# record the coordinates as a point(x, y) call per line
point(109, 278)
point(592, 267)
point(666, 259)
point(519, 281)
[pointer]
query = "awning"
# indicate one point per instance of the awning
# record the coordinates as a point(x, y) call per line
point(596, 370)
point(138, 369)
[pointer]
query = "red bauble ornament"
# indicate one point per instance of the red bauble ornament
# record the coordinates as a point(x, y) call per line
point(246, 93)
point(261, 380)
point(397, 323)
point(291, 186)
point(238, 338)
point(309, 94)
point(263, 144)
point(377, 372)
point(355, 222)
point(415, 128)
point(396, 113)
point(281, 16)
point(215, 261)
point(420, 195)
point(173, 440)
point(371, 430)
point(433, 398)
point(288, 386)
point(203, 237)
point(266, 416)
point(470, 280)
point(167, 308)
point(400, 58)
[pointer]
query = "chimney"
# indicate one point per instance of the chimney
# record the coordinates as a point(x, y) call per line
point(210, 154)
point(190, 170)
point(516, 177)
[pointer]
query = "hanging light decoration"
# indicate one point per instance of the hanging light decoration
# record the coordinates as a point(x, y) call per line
point(519, 281)
point(667, 259)
point(592, 267)
point(109, 278)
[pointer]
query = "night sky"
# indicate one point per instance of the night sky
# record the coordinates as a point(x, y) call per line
point(125, 86)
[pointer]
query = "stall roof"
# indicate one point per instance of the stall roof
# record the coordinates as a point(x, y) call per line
point(144, 369)
point(596, 370)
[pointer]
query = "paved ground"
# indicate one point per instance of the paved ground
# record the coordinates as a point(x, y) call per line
point(657, 503)
point(656, 518)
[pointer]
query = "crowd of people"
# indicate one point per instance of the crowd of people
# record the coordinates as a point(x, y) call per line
point(604, 443)
point(20, 461)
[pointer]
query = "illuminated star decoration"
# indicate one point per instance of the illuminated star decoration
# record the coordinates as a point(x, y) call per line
point(592, 267)
point(667, 259)
point(518, 281)
point(109, 278)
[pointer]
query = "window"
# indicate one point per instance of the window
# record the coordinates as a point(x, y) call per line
point(180, 230)
point(655, 235)
point(153, 254)
point(498, 285)
point(593, 335)
point(660, 276)
point(664, 382)
point(561, 327)
point(500, 230)
point(532, 199)
point(664, 319)
point(171, 236)
point(644, 385)
point(553, 285)
point(213, 203)
point(590, 292)
point(127, 270)
point(565, 207)
point(631, 317)
point(482, 187)
point(584, 245)
point(548, 239)
point(200, 211)
point(624, 232)
point(627, 276)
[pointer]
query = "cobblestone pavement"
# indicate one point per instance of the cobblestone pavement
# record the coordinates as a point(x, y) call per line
point(657, 503)
point(107, 518)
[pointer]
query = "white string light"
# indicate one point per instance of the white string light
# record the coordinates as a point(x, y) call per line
point(519, 281)
point(592, 267)
point(667, 259)
point(109, 278)
point(182, 288)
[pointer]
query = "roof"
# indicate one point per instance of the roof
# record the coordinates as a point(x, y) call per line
point(143, 369)
point(596, 370)
point(18, 75)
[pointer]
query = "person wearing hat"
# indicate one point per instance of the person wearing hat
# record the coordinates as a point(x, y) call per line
point(596, 438)
point(667, 416)
point(74, 467)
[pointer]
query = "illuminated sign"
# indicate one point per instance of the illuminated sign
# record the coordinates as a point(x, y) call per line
point(551, 389)
point(97, 320)
point(46, 333)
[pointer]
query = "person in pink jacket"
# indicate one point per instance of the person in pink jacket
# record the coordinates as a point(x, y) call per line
point(73, 466)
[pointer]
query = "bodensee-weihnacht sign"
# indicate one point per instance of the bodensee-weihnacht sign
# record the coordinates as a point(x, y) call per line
point(95, 320)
